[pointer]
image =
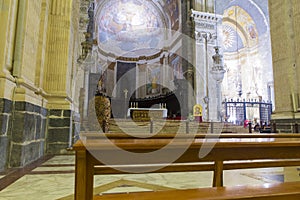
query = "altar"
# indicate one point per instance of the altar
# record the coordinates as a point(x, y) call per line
point(145, 114)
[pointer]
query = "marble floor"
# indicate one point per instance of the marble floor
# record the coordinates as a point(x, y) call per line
point(52, 178)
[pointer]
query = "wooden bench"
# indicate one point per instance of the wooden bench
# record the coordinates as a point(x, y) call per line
point(218, 159)
point(99, 135)
point(203, 166)
point(275, 191)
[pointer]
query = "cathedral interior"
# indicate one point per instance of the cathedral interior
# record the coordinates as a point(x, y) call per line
point(68, 66)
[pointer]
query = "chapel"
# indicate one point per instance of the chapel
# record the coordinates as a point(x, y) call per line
point(69, 67)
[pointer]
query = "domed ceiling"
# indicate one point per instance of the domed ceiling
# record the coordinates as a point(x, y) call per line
point(248, 17)
point(129, 27)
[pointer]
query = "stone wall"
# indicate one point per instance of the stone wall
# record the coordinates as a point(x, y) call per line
point(63, 130)
point(28, 127)
point(5, 116)
point(39, 79)
point(28, 131)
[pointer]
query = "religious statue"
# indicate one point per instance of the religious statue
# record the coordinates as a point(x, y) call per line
point(217, 57)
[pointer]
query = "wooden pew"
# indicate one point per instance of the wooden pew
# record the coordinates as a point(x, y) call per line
point(99, 135)
point(224, 150)
point(275, 191)
point(203, 166)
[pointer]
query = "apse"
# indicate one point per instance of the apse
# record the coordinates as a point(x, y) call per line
point(127, 27)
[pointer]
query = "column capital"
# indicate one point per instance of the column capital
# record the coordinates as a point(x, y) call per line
point(203, 36)
point(205, 26)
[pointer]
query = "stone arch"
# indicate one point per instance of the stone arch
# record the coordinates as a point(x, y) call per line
point(248, 26)
point(243, 26)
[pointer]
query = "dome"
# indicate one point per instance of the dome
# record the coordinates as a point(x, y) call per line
point(126, 27)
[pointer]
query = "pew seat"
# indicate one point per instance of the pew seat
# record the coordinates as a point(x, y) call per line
point(274, 191)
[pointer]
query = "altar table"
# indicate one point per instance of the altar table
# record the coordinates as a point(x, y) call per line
point(146, 114)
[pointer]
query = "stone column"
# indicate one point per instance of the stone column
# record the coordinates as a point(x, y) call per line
point(165, 70)
point(62, 35)
point(205, 35)
point(58, 61)
point(8, 15)
point(217, 71)
point(142, 80)
point(285, 40)
point(204, 5)
point(26, 132)
point(86, 65)
point(41, 45)
point(188, 62)
point(201, 74)
point(86, 96)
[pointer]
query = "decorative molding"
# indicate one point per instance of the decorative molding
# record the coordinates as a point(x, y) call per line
point(139, 59)
point(206, 21)
point(205, 26)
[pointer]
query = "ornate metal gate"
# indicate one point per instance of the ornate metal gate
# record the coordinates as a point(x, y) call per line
point(238, 111)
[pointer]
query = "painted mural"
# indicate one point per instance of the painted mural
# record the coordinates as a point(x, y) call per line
point(153, 80)
point(172, 9)
point(177, 67)
point(129, 25)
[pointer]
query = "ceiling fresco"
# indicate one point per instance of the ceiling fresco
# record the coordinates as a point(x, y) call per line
point(257, 9)
point(239, 29)
point(243, 22)
point(127, 26)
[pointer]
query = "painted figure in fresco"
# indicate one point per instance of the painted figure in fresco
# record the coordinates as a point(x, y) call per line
point(154, 85)
point(251, 31)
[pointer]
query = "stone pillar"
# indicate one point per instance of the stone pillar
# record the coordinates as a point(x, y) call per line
point(165, 70)
point(285, 40)
point(8, 15)
point(24, 116)
point(27, 133)
point(205, 35)
point(5, 117)
point(86, 96)
point(204, 5)
point(36, 77)
point(56, 82)
point(142, 80)
point(62, 34)
point(217, 71)
point(40, 61)
point(60, 124)
point(201, 74)
point(188, 61)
